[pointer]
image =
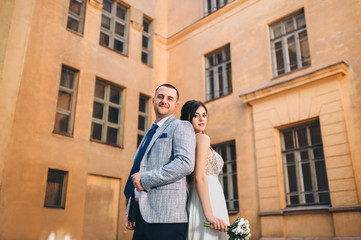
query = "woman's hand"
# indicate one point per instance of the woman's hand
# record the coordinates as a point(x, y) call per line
point(217, 224)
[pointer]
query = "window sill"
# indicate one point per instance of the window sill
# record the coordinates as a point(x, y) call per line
point(308, 210)
point(289, 73)
point(75, 32)
point(63, 134)
point(214, 99)
point(105, 143)
point(113, 50)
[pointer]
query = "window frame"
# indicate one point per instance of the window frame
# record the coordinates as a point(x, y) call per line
point(53, 173)
point(148, 35)
point(283, 48)
point(212, 73)
point(79, 18)
point(71, 111)
point(297, 150)
point(230, 174)
point(211, 6)
point(141, 133)
point(111, 32)
point(104, 122)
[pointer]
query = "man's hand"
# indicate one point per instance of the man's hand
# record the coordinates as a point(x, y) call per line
point(128, 225)
point(136, 177)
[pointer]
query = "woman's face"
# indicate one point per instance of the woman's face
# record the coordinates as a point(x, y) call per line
point(199, 120)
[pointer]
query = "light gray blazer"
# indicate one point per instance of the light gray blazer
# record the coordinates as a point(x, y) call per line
point(169, 158)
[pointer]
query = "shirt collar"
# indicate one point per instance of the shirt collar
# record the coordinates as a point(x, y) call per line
point(162, 121)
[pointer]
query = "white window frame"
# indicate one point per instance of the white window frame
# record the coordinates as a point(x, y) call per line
point(298, 165)
point(76, 17)
point(141, 133)
point(148, 34)
point(213, 81)
point(213, 5)
point(113, 20)
point(282, 39)
point(71, 91)
point(231, 176)
point(104, 121)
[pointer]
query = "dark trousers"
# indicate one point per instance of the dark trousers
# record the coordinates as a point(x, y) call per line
point(158, 231)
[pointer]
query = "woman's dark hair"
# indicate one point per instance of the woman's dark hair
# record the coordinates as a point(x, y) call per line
point(190, 108)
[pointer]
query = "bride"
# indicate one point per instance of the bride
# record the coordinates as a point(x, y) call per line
point(207, 202)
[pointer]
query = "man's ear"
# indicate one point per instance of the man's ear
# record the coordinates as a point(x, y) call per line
point(176, 105)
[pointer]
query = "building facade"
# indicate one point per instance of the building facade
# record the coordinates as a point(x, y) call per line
point(281, 80)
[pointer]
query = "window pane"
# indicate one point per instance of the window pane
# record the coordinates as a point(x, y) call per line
point(106, 21)
point(289, 26)
point(104, 39)
point(292, 53)
point(119, 29)
point(61, 122)
point(113, 115)
point(67, 78)
point(98, 109)
point(139, 139)
point(96, 131)
point(290, 158)
point(318, 153)
point(294, 200)
point(118, 45)
point(229, 78)
point(64, 100)
point(309, 198)
point(304, 156)
point(114, 95)
point(141, 123)
point(302, 137)
point(300, 21)
point(315, 134)
point(75, 7)
point(145, 57)
point(145, 25)
point(55, 195)
point(142, 104)
point(145, 42)
point(73, 24)
point(220, 81)
point(112, 135)
point(99, 90)
point(321, 176)
point(211, 84)
point(121, 12)
point(292, 178)
point(324, 197)
point(279, 58)
point(277, 31)
point(288, 137)
point(107, 5)
point(307, 179)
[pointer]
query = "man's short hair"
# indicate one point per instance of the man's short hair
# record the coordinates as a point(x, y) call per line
point(169, 86)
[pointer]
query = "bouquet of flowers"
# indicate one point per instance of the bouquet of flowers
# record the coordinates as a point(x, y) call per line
point(239, 230)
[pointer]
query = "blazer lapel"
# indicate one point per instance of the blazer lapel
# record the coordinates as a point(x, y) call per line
point(159, 132)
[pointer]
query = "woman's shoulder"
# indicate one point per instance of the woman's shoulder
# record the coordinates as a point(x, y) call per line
point(203, 139)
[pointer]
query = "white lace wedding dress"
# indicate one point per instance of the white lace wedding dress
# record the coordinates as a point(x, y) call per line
point(196, 230)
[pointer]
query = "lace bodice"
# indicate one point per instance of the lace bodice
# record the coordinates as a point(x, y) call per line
point(214, 164)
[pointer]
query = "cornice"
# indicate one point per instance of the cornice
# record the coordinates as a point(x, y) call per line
point(136, 26)
point(220, 15)
point(340, 68)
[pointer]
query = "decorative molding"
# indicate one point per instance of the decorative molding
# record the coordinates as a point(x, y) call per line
point(136, 26)
point(98, 4)
point(309, 210)
point(161, 39)
point(340, 69)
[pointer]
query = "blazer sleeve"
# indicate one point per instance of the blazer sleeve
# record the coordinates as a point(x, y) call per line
point(183, 163)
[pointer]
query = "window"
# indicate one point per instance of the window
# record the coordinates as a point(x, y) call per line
point(114, 26)
point(76, 15)
point(228, 177)
point(213, 5)
point(218, 73)
point(146, 41)
point(304, 166)
point(107, 113)
point(289, 44)
point(143, 117)
point(66, 101)
point(56, 189)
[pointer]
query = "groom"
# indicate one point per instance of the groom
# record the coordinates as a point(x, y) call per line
point(157, 180)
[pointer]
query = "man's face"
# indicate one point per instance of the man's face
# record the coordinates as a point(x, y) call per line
point(165, 102)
